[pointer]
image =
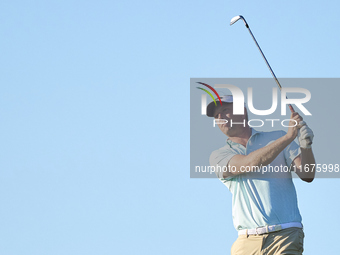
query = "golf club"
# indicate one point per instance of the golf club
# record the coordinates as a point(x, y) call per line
point(233, 21)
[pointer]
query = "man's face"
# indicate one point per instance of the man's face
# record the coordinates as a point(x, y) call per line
point(226, 112)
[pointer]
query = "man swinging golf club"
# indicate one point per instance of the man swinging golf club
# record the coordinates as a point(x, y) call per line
point(264, 204)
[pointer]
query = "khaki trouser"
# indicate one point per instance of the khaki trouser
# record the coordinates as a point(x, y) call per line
point(284, 242)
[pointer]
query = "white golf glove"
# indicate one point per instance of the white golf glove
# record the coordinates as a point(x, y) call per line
point(305, 136)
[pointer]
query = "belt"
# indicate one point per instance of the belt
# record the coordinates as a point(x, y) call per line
point(268, 229)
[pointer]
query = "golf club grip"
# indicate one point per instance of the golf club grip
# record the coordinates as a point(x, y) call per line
point(292, 110)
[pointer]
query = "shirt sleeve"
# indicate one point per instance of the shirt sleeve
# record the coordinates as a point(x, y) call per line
point(220, 159)
point(291, 152)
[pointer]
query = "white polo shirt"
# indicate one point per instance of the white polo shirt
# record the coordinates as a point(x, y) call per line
point(260, 199)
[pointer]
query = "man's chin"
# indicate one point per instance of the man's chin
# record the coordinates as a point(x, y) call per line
point(230, 131)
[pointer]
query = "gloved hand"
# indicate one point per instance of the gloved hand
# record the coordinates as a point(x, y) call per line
point(305, 136)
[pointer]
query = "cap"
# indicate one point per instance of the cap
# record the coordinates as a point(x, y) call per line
point(211, 107)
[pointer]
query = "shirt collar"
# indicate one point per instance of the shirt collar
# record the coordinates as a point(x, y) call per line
point(253, 132)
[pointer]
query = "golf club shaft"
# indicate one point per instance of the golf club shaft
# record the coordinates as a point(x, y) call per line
point(271, 70)
point(235, 19)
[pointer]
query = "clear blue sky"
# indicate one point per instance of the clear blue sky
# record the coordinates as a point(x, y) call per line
point(95, 120)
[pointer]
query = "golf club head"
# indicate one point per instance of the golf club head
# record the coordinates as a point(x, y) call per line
point(236, 18)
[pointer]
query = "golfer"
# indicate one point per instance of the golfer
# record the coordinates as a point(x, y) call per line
point(256, 167)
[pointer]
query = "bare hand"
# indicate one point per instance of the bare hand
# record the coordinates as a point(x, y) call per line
point(294, 125)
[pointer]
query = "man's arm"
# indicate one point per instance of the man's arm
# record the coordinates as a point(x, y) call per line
point(304, 165)
point(265, 155)
point(260, 157)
